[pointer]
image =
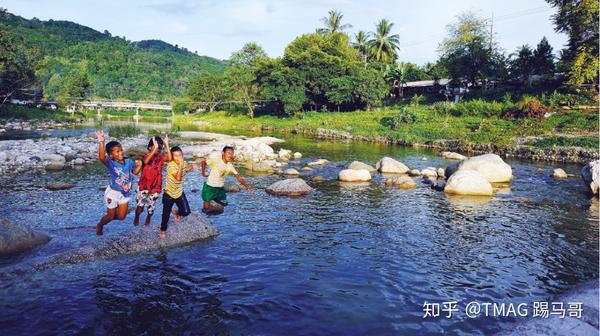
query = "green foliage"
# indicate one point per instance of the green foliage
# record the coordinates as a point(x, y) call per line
point(123, 131)
point(527, 107)
point(586, 142)
point(579, 20)
point(15, 69)
point(474, 107)
point(114, 67)
point(407, 115)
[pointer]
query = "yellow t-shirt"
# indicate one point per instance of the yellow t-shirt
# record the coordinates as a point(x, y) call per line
point(218, 170)
point(173, 187)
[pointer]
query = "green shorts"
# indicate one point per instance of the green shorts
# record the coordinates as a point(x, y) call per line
point(216, 194)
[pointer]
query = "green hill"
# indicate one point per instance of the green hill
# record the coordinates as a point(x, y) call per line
point(114, 66)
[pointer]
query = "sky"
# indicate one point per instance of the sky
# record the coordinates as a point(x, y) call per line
point(217, 28)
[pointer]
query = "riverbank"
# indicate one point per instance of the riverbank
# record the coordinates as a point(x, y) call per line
point(569, 137)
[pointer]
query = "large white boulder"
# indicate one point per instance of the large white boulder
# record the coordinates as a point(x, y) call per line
point(401, 181)
point(354, 175)
point(453, 156)
point(391, 166)
point(591, 176)
point(468, 182)
point(490, 166)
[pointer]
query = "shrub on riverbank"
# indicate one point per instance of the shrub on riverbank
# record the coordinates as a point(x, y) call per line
point(33, 113)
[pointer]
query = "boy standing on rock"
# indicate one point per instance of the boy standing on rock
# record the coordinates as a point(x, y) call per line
point(150, 184)
point(213, 189)
point(121, 170)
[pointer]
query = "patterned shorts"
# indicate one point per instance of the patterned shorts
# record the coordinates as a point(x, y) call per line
point(144, 198)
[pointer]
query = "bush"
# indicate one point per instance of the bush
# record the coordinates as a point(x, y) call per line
point(442, 108)
point(407, 115)
point(123, 131)
point(477, 108)
point(527, 107)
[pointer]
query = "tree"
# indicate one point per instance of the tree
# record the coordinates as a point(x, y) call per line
point(246, 56)
point(383, 45)
point(333, 23)
point(521, 64)
point(281, 83)
point(240, 76)
point(369, 88)
point(361, 43)
point(579, 20)
point(543, 60)
point(468, 53)
point(210, 89)
point(74, 86)
point(15, 69)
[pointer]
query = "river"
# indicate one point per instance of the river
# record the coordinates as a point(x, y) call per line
point(349, 259)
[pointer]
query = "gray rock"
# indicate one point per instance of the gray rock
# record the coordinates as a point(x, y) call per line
point(402, 182)
point(289, 187)
point(361, 165)
point(59, 185)
point(54, 166)
point(559, 173)
point(231, 187)
point(214, 208)
point(591, 176)
point(18, 238)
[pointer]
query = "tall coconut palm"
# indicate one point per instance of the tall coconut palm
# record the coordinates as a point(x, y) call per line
point(383, 46)
point(361, 42)
point(333, 23)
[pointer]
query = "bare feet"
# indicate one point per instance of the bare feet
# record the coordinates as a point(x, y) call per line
point(99, 229)
point(147, 223)
point(163, 234)
point(136, 221)
point(176, 215)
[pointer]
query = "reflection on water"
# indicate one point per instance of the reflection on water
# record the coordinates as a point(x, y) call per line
point(348, 259)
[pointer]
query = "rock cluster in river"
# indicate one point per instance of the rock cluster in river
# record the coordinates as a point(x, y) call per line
point(31, 125)
point(591, 176)
point(289, 187)
point(17, 156)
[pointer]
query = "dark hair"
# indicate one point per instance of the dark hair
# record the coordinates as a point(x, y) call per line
point(227, 148)
point(176, 149)
point(159, 141)
point(110, 145)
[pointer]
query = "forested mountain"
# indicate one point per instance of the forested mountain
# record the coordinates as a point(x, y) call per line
point(72, 59)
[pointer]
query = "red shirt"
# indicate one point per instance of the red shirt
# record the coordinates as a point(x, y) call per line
point(151, 178)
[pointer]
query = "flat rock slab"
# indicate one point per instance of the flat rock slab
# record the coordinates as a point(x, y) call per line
point(586, 294)
point(16, 238)
point(190, 229)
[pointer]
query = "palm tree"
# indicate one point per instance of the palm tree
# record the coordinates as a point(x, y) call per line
point(333, 23)
point(361, 42)
point(384, 46)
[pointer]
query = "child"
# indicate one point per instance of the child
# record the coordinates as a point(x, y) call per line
point(174, 194)
point(121, 170)
point(213, 189)
point(150, 184)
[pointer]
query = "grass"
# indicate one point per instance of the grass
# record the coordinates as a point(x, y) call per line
point(123, 131)
point(32, 113)
point(423, 125)
point(586, 142)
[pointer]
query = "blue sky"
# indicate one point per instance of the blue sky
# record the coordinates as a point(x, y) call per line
point(218, 28)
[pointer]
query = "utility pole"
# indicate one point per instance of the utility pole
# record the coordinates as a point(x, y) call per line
point(492, 31)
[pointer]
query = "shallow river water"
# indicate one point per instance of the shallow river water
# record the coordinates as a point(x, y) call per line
point(349, 259)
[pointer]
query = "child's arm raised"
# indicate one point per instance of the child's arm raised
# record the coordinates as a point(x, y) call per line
point(168, 155)
point(101, 150)
point(153, 151)
point(138, 167)
point(243, 182)
point(180, 168)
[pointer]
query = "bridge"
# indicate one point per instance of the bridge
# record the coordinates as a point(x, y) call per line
point(119, 105)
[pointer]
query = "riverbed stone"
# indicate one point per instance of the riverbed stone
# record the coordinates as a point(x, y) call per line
point(591, 176)
point(306, 169)
point(214, 208)
point(232, 187)
point(318, 162)
point(289, 187)
point(453, 156)
point(297, 155)
point(414, 172)
point(79, 161)
point(430, 172)
point(291, 171)
point(468, 182)
point(59, 185)
point(354, 175)
point(559, 173)
point(54, 166)
point(401, 181)
point(391, 166)
point(16, 238)
point(261, 167)
point(441, 172)
point(490, 166)
point(361, 165)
